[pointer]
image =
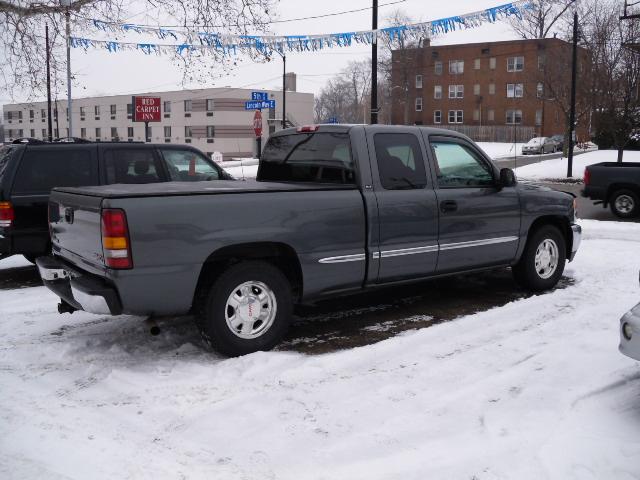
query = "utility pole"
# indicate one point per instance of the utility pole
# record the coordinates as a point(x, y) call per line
point(572, 114)
point(374, 65)
point(284, 91)
point(49, 124)
point(67, 15)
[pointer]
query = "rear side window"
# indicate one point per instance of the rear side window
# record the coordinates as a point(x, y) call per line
point(131, 166)
point(5, 155)
point(40, 170)
point(399, 161)
point(320, 157)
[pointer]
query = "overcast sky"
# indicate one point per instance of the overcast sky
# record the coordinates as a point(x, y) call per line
point(103, 73)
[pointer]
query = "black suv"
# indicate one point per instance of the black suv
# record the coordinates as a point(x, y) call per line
point(29, 170)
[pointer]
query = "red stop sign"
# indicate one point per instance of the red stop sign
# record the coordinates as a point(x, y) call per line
point(257, 123)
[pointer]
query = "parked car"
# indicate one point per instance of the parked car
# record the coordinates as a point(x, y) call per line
point(335, 209)
point(559, 141)
point(28, 172)
point(630, 333)
point(616, 185)
point(539, 145)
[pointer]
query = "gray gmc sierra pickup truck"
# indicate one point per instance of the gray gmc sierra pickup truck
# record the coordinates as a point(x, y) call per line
point(335, 209)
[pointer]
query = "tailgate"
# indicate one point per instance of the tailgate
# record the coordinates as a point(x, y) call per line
point(75, 224)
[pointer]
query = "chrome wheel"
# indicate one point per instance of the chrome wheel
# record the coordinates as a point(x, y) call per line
point(546, 259)
point(624, 204)
point(250, 309)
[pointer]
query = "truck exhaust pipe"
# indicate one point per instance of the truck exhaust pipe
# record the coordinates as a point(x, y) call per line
point(154, 328)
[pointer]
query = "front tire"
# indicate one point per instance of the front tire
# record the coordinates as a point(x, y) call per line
point(624, 203)
point(542, 261)
point(247, 309)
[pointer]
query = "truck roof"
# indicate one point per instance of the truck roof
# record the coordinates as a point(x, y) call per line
point(345, 127)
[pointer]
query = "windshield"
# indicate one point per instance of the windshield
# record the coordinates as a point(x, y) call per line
point(308, 157)
point(536, 141)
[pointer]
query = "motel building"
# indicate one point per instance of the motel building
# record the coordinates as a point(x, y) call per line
point(211, 119)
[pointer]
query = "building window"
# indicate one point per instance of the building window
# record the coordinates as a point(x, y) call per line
point(187, 132)
point(32, 133)
point(456, 91)
point(492, 63)
point(456, 66)
point(114, 132)
point(476, 89)
point(418, 104)
point(492, 89)
point(82, 111)
point(167, 132)
point(514, 117)
point(211, 131)
point(515, 90)
point(476, 64)
point(418, 81)
point(83, 132)
point(129, 109)
point(113, 109)
point(541, 60)
point(97, 110)
point(130, 132)
point(20, 116)
point(515, 64)
point(43, 113)
point(44, 133)
point(437, 116)
point(476, 115)
point(538, 117)
point(31, 114)
point(98, 133)
point(210, 104)
point(540, 90)
point(456, 116)
point(491, 115)
point(437, 68)
point(187, 105)
point(20, 133)
point(167, 107)
point(437, 92)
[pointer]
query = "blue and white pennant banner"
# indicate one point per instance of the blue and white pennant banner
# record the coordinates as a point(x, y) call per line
point(216, 43)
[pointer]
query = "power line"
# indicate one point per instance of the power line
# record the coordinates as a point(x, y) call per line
point(313, 17)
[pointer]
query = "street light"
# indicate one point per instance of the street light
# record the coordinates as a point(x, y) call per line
point(67, 4)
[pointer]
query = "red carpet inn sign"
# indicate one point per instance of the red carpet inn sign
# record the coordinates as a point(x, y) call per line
point(146, 109)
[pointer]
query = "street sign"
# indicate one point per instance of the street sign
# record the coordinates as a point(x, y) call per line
point(146, 109)
point(260, 96)
point(332, 120)
point(259, 104)
point(217, 157)
point(257, 123)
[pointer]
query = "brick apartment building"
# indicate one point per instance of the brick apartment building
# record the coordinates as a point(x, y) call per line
point(490, 91)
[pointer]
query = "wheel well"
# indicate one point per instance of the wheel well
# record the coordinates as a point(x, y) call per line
point(621, 186)
point(557, 221)
point(281, 255)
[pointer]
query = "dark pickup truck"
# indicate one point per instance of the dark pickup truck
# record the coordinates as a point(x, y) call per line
point(616, 185)
point(335, 209)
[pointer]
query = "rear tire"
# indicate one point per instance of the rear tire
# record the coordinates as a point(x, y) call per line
point(624, 203)
point(247, 309)
point(542, 261)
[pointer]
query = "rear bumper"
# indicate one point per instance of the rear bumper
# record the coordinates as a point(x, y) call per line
point(79, 289)
point(577, 239)
point(630, 346)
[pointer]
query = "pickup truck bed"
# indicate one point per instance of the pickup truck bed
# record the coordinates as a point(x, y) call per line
point(616, 185)
point(336, 209)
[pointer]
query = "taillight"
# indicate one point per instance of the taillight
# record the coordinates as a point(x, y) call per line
point(307, 128)
point(7, 215)
point(587, 176)
point(115, 239)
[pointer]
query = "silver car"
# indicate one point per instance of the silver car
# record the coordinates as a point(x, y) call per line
point(630, 333)
point(539, 145)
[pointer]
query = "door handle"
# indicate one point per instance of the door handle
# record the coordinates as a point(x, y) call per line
point(448, 206)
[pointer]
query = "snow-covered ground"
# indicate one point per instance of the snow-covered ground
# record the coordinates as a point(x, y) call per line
point(535, 389)
point(557, 168)
point(497, 150)
point(242, 168)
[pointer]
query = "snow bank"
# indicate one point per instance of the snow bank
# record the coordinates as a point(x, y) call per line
point(14, 261)
point(498, 150)
point(557, 168)
point(535, 389)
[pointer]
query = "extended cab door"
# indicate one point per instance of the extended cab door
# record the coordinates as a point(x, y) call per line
point(479, 221)
point(407, 216)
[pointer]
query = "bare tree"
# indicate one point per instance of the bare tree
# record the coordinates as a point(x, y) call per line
point(542, 19)
point(346, 96)
point(22, 33)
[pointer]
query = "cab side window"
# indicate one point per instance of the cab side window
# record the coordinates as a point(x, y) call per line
point(400, 162)
point(41, 170)
point(131, 166)
point(459, 166)
point(188, 166)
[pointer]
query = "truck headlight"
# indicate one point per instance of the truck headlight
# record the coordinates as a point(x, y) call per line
point(626, 331)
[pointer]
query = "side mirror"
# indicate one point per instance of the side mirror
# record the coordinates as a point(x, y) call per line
point(507, 178)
